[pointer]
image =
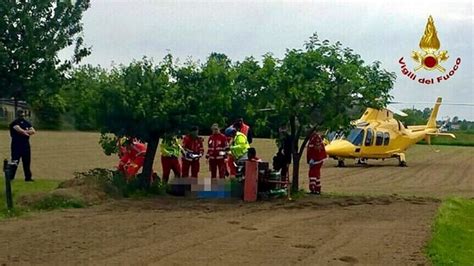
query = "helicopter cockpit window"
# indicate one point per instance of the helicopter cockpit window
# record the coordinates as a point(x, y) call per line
point(379, 138)
point(386, 138)
point(355, 136)
point(331, 136)
point(369, 137)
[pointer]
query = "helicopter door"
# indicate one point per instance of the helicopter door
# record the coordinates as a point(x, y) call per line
point(369, 137)
point(368, 143)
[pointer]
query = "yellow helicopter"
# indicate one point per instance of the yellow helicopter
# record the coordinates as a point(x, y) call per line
point(377, 135)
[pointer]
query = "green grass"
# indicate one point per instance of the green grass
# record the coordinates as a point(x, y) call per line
point(453, 234)
point(20, 188)
point(52, 202)
point(463, 138)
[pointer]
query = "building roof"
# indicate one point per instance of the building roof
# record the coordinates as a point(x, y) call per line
point(5, 101)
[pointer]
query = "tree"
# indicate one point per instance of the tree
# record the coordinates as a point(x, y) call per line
point(318, 88)
point(82, 92)
point(415, 116)
point(147, 101)
point(31, 35)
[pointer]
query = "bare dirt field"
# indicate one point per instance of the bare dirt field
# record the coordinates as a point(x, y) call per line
point(167, 231)
point(57, 155)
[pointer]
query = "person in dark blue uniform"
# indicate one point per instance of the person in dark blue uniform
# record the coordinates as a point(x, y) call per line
point(20, 132)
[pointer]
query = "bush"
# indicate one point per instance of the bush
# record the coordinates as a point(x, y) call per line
point(115, 184)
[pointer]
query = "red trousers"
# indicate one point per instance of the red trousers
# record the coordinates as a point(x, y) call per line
point(315, 178)
point(215, 165)
point(231, 166)
point(168, 164)
point(194, 165)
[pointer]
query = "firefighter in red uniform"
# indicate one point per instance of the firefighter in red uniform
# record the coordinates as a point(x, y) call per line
point(193, 150)
point(132, 157)
point(316, 154)
point(216, 153)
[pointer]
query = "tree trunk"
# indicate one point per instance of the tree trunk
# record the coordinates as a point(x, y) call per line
point(294, 153)
point(296, 172)
point(297, 155)
point(152, 147)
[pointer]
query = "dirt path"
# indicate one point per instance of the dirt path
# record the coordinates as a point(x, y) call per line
point(334, 231)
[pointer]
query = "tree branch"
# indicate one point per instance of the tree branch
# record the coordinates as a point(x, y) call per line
point(306, 139)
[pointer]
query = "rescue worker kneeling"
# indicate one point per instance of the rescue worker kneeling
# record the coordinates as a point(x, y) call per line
point(192, 150)
point(238, 147)
point(132, 157)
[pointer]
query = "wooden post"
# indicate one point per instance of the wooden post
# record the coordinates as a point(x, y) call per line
point(251, 181)
point(8, 187)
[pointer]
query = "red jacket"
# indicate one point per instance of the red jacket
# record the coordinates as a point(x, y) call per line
point(217, 144)
point(244, 128)
point(193, 145)
point(315, 150)
point(138, 149)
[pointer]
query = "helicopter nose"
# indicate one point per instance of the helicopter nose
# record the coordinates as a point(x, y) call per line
point(340, 148)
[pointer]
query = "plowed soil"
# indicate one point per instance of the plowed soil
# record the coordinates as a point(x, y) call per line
point(311, 231)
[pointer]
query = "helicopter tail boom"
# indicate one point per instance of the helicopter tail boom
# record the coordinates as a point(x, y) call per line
point(432, 120)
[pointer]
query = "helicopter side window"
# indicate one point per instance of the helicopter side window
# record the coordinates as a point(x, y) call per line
point(369, 137)
point(379, 138)
point(356, 136)
point(386, 138)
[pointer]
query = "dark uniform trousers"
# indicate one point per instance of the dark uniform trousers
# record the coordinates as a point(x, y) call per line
point(23, 152)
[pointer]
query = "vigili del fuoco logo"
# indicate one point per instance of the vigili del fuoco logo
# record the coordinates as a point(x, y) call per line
point(430, 58)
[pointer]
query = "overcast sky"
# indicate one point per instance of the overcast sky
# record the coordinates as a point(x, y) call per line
point(120, 31)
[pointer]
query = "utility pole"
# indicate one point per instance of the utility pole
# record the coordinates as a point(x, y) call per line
point(7, 167)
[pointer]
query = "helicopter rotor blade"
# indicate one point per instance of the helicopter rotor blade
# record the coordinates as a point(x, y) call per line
point(396, 111)
point(444, 103)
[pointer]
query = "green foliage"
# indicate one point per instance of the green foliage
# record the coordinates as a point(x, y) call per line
point(137, 187)
point(108, 142)
point(83, 90)
point(296, 195)
point(15, 212)
point(31, 35)
point(48, 109)
point(463, 138)
point(453, 233)
point(116, 185)
point(19, 189)
point(415, 116)
point(53, 202)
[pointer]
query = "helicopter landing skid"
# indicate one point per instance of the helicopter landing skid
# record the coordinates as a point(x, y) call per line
point(340, 163)
point(401, 160)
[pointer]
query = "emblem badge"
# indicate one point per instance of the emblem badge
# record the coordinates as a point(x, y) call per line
point(430, 58)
